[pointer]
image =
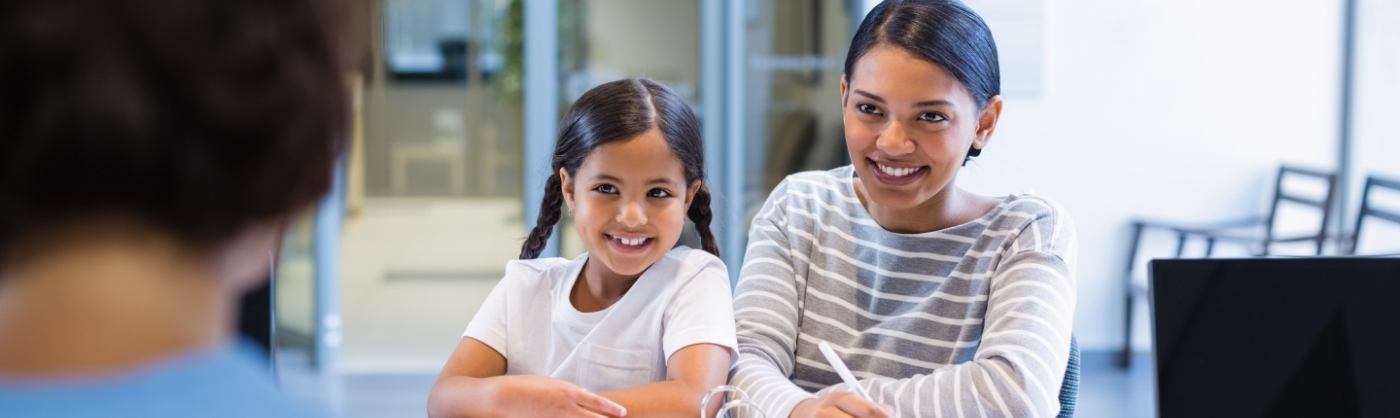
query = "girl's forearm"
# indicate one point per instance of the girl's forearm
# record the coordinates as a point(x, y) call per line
point(671, 398)
point(462, 397)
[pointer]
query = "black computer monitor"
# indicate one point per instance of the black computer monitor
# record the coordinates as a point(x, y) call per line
point(1277, 337)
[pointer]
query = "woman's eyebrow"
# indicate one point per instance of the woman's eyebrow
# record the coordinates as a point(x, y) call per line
point(938, 102)
point(870, 95)
point(925, 103)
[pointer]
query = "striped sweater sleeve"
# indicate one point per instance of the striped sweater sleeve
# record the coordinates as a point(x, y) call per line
point(1019, 365)
point(766, 313)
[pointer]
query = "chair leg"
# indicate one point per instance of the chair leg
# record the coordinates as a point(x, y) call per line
point(1125, 359)
point(1180, 243)
point(1210, 246)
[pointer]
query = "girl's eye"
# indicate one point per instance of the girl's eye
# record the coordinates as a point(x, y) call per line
point(867, 108)
point(659, 193)
point(605, 188)
point(932, 117)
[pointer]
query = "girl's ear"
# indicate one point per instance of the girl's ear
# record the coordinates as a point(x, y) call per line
point(567, 184)
point(691, 191)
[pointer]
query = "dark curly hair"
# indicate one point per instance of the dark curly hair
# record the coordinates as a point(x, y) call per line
point(195, 117)
point(616, 111)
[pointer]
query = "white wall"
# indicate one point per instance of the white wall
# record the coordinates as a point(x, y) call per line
point(1176, 110)
point(1375, 135)
point(654, 39)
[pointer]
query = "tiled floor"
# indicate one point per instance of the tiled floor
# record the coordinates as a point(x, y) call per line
point(1106, 391)
point(1110, 392)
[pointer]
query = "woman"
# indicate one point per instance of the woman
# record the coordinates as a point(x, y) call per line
point(942, 302)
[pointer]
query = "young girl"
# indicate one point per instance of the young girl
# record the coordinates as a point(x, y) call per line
point(633, 327)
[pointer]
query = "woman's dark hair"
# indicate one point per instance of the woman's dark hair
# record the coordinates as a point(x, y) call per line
point(944, 32)
point(195, 117)
point(616, 111)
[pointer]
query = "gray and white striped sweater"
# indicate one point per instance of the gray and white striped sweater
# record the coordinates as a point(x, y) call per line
point(972, 320)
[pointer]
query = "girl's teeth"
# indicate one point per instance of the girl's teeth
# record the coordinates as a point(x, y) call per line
point(631, 242)
point(896, 172)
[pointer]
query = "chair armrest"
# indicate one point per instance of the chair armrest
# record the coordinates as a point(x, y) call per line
point(1210, 228)
point(1297, 238)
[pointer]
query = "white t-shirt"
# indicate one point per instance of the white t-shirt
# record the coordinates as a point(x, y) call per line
point(681, 300)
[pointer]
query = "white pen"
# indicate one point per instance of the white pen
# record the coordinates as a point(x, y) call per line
point(841, 370)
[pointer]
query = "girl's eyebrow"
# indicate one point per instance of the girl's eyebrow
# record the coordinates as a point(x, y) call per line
point(924, 103)
point(658, 180)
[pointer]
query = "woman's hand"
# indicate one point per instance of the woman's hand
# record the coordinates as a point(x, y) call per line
point(838, 404)
point(539, 396)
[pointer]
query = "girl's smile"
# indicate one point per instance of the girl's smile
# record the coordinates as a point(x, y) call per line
point(630, 244)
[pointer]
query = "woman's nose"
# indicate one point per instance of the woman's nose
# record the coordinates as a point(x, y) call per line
point(893, 140)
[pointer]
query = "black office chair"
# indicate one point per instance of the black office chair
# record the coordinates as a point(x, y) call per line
point(1069, 389)
point(1257, 233)
point(257, 319)
point(1369, 211)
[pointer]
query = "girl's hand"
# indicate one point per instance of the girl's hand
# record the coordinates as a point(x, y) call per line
point(838, 404)
point(540, 396)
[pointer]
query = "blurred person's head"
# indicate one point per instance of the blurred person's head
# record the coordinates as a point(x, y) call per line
point(202, 125)
point(150, 153)
point(920, 97)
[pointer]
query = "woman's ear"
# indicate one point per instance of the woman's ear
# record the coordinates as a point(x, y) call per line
point(844, 87)
point(987, 122)
point(566, 184)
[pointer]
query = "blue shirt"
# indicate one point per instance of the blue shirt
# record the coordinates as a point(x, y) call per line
point(214, 383)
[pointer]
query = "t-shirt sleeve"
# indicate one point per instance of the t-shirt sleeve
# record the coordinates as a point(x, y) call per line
point(489, 323)
point(701, 312)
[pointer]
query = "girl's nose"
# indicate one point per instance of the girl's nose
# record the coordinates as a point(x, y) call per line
point(632, 215)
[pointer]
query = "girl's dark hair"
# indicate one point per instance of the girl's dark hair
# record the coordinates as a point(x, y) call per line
point(944, 32)
point(615, 111)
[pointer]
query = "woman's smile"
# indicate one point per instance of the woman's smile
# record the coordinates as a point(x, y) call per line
point(896, 174)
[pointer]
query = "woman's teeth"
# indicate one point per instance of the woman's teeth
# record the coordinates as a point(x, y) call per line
point(895, 171)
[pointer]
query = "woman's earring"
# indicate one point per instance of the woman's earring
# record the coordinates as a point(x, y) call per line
point(974, 152)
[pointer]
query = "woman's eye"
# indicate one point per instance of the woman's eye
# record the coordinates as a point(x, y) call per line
point(867, 108)
point(932, 117)
point(658, 193)
point(605, 188)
